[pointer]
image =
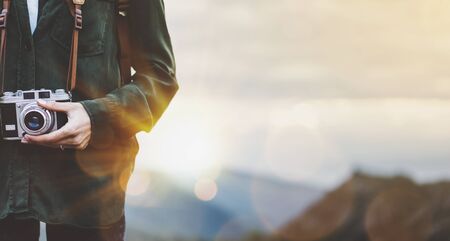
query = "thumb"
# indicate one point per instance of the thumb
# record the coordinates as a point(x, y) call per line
point(54, 106)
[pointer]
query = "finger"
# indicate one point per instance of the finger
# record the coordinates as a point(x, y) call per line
point(52, 137)
point(55, 106)
point(57, 146)
point(25, 141)
point(64, 146)
point(66, 143)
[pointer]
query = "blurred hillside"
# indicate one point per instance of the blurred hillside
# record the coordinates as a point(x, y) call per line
point(368, 208)
point(363, 208)
point(244, 203)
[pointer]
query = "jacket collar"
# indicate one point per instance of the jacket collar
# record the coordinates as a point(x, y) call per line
point(48, 15)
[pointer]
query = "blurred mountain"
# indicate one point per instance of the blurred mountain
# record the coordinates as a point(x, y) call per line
point(262, 203)
point(376, 208)
point(244, 203)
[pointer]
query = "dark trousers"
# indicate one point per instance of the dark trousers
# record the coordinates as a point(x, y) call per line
point(12, 229)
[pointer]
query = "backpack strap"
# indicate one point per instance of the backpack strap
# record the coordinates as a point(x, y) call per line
point(3, 23)
point(75, 6)
point(123, 34)
point(75, 10)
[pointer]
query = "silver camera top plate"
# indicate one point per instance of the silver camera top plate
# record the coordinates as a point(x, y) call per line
point(29, 95)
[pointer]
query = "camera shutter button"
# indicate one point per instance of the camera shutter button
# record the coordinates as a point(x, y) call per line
point(60, 92)
point(8, 94)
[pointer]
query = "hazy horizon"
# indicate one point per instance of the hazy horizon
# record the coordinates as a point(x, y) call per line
point(307, 91)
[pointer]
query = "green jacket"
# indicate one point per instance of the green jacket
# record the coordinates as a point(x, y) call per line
point(84, 188)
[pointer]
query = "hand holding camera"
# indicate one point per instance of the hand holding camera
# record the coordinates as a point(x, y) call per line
point(55, 122)
point(75, 134)
point(45, 118)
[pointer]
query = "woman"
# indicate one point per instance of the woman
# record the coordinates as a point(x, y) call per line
point(74, 179)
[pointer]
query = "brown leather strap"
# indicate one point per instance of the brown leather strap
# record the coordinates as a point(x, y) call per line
point(75, 7)
point(72, 73)
point(124, 42)
point(123, 36)
point(71, 7)
point(3, 23)
point(123, 5)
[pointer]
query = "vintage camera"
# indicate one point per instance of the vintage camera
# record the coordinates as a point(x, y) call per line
point(20, 113)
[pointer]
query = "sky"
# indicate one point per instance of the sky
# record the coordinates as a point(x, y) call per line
point(307, 91)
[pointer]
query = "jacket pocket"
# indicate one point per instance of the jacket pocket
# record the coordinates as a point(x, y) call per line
point(97, 14)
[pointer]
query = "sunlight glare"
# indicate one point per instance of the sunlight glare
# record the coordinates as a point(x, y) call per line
point(184, 145)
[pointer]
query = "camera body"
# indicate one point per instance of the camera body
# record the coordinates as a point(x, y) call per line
point(20, 113)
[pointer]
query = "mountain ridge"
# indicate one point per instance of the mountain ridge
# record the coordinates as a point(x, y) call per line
point(369, 207)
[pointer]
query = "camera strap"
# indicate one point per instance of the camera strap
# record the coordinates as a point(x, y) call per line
point(123, 34)
point(3, 23)
point(75, 10)
point(72, 71)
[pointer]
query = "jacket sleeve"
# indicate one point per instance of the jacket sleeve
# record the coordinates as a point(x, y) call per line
point(137, 106)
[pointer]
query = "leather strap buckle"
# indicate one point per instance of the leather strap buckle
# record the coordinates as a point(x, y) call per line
point(78, 2)
point(78, 19)
point(3, 18)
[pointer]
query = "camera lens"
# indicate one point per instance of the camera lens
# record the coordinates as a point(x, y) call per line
point(34, 120)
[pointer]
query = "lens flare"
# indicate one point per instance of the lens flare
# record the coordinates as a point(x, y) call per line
point(205, 189)
point(137, 185)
